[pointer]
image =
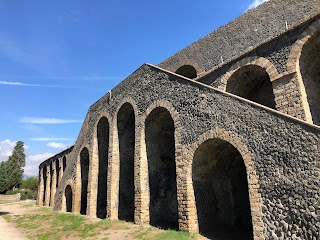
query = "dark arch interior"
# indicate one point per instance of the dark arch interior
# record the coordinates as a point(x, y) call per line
point(187, 71)
point(126, 133)
point(68, 195)
point(253, 83)
point(84, 161)
point(162, 169)
point(103, 149)
point(44, 174)
point(57, 172)
point(310, 72)
point(64, 163)
point(51, 177)
point(221, 191)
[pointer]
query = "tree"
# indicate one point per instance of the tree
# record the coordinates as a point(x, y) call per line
point(11, 171)
point(30, 183)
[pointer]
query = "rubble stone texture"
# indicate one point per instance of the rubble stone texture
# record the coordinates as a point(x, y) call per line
point(230, 149)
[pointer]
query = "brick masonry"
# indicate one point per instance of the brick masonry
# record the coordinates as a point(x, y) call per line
point(280, 147)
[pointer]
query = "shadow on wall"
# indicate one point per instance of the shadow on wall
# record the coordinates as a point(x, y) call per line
point(310, 72)
point(162, 169)
point(221, 191)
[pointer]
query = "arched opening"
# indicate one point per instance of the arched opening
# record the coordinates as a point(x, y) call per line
point(84, 161)
point(160, 143)
point(68, 196)
point(44, 175)
point(64, 163)
point(103, 149)
point(126, 134)
point(253, 83)
point(221, 191)
point(51, 177)
point(310, 73)
point(187, 71)
point(57, 172)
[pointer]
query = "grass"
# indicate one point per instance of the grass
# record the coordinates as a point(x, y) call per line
point(42, 223)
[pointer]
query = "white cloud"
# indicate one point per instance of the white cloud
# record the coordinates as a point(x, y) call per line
point(39, 157)
point(256, 3)
point(6, 147)
point(57, 145)
point(34, 120)
point(47, 139)
point(28, 85)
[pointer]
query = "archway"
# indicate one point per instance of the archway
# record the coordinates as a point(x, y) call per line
point(221, 191)
point(187, 71)
point(103, 149)
point(310, 72)
point(253, 83)
point(126, 134)
point(160, 143)
point(44, 175)
point(68, 196)
point(57, 172)
point(64, 163)
point(84, 162)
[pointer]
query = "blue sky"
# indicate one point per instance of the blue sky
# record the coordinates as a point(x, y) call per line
point(59, 57)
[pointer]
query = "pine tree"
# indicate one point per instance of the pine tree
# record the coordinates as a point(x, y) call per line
point(11, 171)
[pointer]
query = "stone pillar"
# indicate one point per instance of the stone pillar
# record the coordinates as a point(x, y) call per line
point(93, 180)
point(289, 97)
point(40, 188)
point(141, 179)
point(113, 174)
point(188, 220)
point(77, 190)
point(47, 198)
point(53, 184)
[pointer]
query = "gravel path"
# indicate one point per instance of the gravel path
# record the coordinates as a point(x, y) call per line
point(7, 230)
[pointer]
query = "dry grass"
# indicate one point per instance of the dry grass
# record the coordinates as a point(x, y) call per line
point(42, 223)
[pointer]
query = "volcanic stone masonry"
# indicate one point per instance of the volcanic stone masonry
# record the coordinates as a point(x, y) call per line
point(222, 138)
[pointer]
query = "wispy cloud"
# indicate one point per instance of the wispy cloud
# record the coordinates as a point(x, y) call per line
point(43, 56)
point(62, 77)
point(35, 120)
point(256, 3)
point(48, 139)
point(39, 157)
point(57, 145)
point(29, 85)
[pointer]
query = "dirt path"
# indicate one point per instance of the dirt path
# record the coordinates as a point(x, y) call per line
point(7, 230)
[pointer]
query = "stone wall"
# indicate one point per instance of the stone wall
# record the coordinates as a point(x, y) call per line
point(243, 34)
point(280, 153)
point(14, 197)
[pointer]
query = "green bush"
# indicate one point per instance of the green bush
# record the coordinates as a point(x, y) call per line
point(24, 194)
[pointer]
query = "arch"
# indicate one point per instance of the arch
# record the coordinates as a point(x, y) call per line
point(44, 175)
point(84, 164)
point(160, 148)
point(69, 198)
point(304, 60)
point(195, 67)
point(64, 163)
point(103, 130)
point(252, 82)
point(126, 141)
point(214, 140)
point(187, 71)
